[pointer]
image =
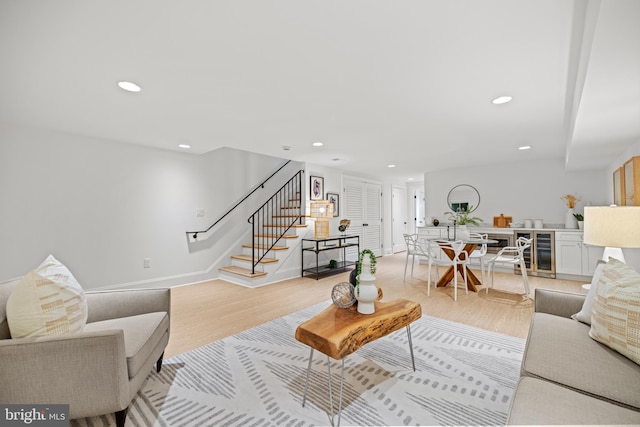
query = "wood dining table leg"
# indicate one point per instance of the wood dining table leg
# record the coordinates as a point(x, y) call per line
point(472, 280)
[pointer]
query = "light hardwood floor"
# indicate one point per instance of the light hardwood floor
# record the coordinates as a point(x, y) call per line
point(208, 311)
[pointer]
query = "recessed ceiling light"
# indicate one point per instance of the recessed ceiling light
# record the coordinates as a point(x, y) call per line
point(391, 166)
point(184, 146)
point(318, 144)
point(410, 179)
point(502, 100)
point(286, 148)
point(524, 147)
point(129, 86)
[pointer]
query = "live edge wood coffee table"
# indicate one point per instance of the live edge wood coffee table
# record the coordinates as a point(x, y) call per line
point(338, 332)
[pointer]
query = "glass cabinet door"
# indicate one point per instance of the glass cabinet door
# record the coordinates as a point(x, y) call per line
point(632, 182)
point(618, 189)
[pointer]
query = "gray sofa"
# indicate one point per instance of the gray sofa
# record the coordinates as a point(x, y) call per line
point(97, 371)
point(569, 378)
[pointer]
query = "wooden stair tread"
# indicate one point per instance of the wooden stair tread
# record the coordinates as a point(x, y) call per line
point(250, 259)
point(274, 236)
point(242, 271)
point(258, 247)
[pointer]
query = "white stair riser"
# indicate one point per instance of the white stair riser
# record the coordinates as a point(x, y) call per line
point(272, 254)
point(266, 268)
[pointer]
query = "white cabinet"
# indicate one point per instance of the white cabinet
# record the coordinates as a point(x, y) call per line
point(569, 253)
point(573, 256)
point(590, 257)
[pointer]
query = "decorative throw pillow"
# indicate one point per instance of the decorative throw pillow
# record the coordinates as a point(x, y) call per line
point(584, 315)
point(615, 321)
point(47, 301)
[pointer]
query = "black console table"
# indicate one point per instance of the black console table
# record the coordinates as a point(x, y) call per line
point(329, 244)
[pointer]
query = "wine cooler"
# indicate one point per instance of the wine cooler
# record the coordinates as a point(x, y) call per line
point(540, 258)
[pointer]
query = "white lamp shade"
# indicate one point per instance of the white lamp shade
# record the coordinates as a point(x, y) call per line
point(612, 226)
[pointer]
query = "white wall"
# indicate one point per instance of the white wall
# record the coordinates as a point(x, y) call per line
point(535, 195)
point(520, 190)
point(101, 207)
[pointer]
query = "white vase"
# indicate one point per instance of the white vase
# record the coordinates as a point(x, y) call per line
point(462, 233)
point(366, 291)
point(570, 221)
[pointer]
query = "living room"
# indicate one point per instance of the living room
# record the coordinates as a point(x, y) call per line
point(91, 177)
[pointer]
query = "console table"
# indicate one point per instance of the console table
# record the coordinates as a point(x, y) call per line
point(331, 243)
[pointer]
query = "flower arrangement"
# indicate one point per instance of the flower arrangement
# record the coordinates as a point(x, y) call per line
point(571, 200)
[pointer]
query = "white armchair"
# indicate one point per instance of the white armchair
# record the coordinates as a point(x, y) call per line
point(96, 371)
point(414, 249)
point(456, 256)
point(480, 252)
point(510, 256)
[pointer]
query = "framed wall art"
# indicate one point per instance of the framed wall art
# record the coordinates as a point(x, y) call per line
point(316, 188)
point(335, 199)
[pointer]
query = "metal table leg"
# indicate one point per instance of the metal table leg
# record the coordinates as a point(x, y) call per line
point(306, 384)
point(331, 414)
point(413, 361)
point(331, 394)
point(306, 388)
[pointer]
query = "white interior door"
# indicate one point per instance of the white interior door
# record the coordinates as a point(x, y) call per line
point(419, 208)
point(399, 217)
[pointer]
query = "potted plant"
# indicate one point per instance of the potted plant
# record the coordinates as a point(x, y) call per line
point(464, 217)
point(366, 290)
point(371, 263)
point(580, 218)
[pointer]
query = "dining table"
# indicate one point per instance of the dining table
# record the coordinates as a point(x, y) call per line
point(470, 245)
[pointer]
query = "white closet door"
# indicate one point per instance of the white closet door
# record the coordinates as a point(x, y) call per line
point(363, 206)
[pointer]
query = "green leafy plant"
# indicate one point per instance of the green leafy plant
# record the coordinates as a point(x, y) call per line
point(372, 260)
point(333, 264)
point(579, 216)
point(464, 217)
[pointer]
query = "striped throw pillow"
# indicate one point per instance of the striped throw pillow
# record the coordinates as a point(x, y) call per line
point(615, 320)
point(47, 301)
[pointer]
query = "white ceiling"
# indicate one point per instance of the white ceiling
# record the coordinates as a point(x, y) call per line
point(377, 81)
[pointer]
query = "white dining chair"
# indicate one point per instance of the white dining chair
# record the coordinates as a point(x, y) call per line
point(414, 249)
point(511, 255)
point(480, 252)
point(460, 257)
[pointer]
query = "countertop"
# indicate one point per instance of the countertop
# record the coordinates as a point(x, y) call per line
point(496, 230)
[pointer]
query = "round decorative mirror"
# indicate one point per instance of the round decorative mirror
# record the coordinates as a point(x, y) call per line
point(463, 197)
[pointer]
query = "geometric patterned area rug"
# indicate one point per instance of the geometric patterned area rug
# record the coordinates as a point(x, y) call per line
point(464, 376)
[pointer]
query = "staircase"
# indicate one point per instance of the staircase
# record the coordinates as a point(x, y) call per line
point(276, 227)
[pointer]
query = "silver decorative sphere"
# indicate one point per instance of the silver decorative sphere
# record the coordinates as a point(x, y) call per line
point(343, 295)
